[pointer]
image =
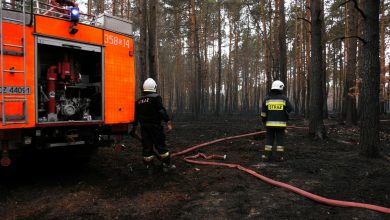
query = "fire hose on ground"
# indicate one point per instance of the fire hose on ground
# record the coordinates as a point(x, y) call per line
point(320, 199)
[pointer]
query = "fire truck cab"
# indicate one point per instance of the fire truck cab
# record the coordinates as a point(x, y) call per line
point(67, 79)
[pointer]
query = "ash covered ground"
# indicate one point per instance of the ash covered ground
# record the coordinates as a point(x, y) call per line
point(115, 185)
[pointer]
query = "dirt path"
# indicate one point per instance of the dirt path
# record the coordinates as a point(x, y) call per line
point(115, 186)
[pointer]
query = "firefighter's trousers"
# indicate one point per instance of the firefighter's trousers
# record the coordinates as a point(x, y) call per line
point(274, 137)
point(153, 137)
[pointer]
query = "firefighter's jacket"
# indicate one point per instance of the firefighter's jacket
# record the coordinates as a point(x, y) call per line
point(275, 109)
point(150, 110)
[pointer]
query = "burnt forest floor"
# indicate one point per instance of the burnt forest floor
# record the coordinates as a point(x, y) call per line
point(116, 186)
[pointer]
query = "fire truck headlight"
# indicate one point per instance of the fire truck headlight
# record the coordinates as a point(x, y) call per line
point(74, 14)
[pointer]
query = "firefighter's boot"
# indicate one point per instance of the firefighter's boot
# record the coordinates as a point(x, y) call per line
point(279, 155)
point(166, 162)
point(149, 164)
point(266, 156)
point(167, 168)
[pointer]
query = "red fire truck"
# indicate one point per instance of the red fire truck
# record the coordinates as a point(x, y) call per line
point(67, 79)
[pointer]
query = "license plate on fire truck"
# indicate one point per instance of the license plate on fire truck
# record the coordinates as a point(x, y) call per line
point(15, 90)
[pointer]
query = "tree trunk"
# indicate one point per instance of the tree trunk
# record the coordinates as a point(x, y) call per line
point(369, 123)
point(324, 76)
point(228, 84)
point(341, 81)
point(101, 7)
point(122, 7)
point(282, 46)
point(316, 125)
point(334, 78)
point(360, 56)
point(178, 76)
point(205, 73)
point(218, 98)
point(298, 80)
point(235, 68)
point(143, 40)
point(128, 11)
point(349, 105)
point(267, 46)
point(382, 48)
point(197, 63)
point(152, 40)
point(308, 63)
point(89, 7)
point(301, 68)
point(114, 7)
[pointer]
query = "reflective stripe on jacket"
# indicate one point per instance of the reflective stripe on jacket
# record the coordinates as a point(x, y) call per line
point(275, 109)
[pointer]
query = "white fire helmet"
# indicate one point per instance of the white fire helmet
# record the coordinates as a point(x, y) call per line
point(277, 84)
point(150, 85)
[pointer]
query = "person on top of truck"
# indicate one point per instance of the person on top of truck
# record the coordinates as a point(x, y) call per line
point(150, 112)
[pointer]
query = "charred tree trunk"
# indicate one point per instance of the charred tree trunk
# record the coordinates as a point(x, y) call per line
point(177, 86)
point(218, 98)
point(369, 123)
point(349, 105)
point(298, 80)
point(382, 48)
point(205, 73)
point(360, 57)
point(235, 68)
point(143, 40)
point(301, 74)
point(282, 46)
point(197, 64)
point(309, 66)
point(152, 40)
point(267, 46)
point(316, 125)
point(229, 92)
point(324, 76)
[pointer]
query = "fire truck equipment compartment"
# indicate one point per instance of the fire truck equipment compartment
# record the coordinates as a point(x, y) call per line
point(69, 81)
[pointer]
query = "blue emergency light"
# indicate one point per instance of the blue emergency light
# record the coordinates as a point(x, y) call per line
point(74, 18)
point(74, 14)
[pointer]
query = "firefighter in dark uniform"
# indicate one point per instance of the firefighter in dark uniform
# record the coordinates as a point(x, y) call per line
point(274, 114)
point(150, 112)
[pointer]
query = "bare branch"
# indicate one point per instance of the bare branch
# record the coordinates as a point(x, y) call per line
point(356, 5)
point(300, 18)
point(344, 3)
point(347, 37)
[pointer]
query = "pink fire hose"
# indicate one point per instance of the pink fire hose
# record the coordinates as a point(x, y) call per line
point(320, 199)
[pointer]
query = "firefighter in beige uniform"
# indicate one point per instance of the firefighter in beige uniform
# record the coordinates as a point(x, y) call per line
point(274, 114)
